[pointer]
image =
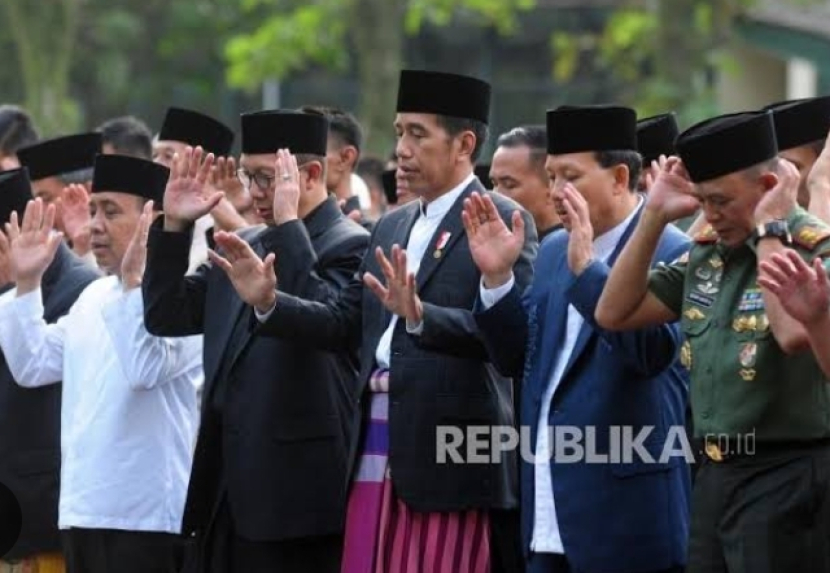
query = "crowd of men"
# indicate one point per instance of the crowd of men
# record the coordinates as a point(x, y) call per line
point(239, 364)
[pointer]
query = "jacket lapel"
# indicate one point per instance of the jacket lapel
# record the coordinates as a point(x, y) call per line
point(448, 233)
point(586, 332)
point(232, 338)
point(553, 331)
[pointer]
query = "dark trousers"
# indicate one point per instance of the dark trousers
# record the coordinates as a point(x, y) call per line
point(767, 513)
point(222, 551)
point(553, 563)
point(506, 542)
point(108, 551)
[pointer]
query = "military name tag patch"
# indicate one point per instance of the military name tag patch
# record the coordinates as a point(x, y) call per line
point(751, 300)
point(700, 299)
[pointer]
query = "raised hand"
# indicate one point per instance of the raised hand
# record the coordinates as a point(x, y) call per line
point(494, 247)
point(188, 197)
point(135, 257)
point(75, 217)
point(253, 278)
point(581, 232)
point(670, 192)
point(287, 187)
point(778, 202)
point(33, 244)
point(225, 179)
point(804, 290)
point(6, 268)
point(400, 295)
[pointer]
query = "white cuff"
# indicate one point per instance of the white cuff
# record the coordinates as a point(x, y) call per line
point(491, 297)
point(415, 329)
point(263, 317)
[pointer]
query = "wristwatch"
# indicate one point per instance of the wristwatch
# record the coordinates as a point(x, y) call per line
point(776, 228)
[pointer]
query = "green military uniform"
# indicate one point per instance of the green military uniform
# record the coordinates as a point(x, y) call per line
point(758, 502)
point(742, 381)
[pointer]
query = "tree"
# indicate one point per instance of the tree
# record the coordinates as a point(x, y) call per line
point(325, 32)
point(663, 53)
point(45, 34)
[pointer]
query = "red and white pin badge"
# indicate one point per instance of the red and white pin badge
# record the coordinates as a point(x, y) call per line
point(443, 239)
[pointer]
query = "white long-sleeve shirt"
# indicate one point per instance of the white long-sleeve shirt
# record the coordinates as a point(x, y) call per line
point(128, 413)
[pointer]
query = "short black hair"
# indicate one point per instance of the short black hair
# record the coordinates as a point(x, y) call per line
point(128, 135)
point(17, 129)
point(534, 137)
point(343, 125)
point(627, 157)
point(457, 125)
point(371, 169)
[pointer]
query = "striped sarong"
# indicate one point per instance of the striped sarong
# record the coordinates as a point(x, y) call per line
point(383, 535)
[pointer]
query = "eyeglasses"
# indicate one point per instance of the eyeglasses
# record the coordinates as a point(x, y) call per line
point(261, 180)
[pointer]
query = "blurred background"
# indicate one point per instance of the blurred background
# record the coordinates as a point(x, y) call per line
point(75, 63)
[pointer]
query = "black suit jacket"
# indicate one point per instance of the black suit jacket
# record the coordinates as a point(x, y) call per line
point(30, 422)
point(441, 377)
point(276, 414)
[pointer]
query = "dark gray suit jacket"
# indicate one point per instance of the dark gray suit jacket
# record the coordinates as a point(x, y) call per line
point(441, 377)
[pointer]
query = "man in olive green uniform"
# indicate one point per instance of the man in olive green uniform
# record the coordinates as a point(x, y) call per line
point(759, 399)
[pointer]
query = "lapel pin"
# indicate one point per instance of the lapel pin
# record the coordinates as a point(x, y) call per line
point(442, 242)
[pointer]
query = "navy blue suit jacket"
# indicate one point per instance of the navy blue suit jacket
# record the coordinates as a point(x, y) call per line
point(613, 517)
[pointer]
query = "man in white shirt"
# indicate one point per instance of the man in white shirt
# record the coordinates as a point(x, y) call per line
point(128, 414)
point(579, 515)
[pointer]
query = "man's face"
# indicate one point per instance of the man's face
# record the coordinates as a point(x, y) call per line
point(515, 175)
point(803, 158)
point(114, 218)
point(163, 151)
point(427, 154)
point(729, 205)
point(50, 190)
point(598, 185)
point(261, 166)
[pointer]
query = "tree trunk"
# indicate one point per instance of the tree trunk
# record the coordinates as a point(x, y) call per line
point(45, 63)
point(379, 42)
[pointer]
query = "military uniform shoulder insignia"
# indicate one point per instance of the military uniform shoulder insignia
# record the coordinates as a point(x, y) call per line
point(707, 235)
point(809, 236)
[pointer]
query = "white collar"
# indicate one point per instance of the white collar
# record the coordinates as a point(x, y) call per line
point(605, 244)
point(439, 207)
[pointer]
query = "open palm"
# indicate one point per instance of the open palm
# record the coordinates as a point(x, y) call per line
point(495, 247)
point(803, 290)
point(253, 278)
point(188, 197)
point(33, 243)
point(671, 191)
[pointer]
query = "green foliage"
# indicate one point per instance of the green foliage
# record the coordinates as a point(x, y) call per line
point(309, 34)
point(293, 37)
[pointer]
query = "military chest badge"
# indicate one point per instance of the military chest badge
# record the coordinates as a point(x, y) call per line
point(703, 273)
point(748, 355)
point(708, 288)
point(693, 313)
point(686, 355)
point(751, 300)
